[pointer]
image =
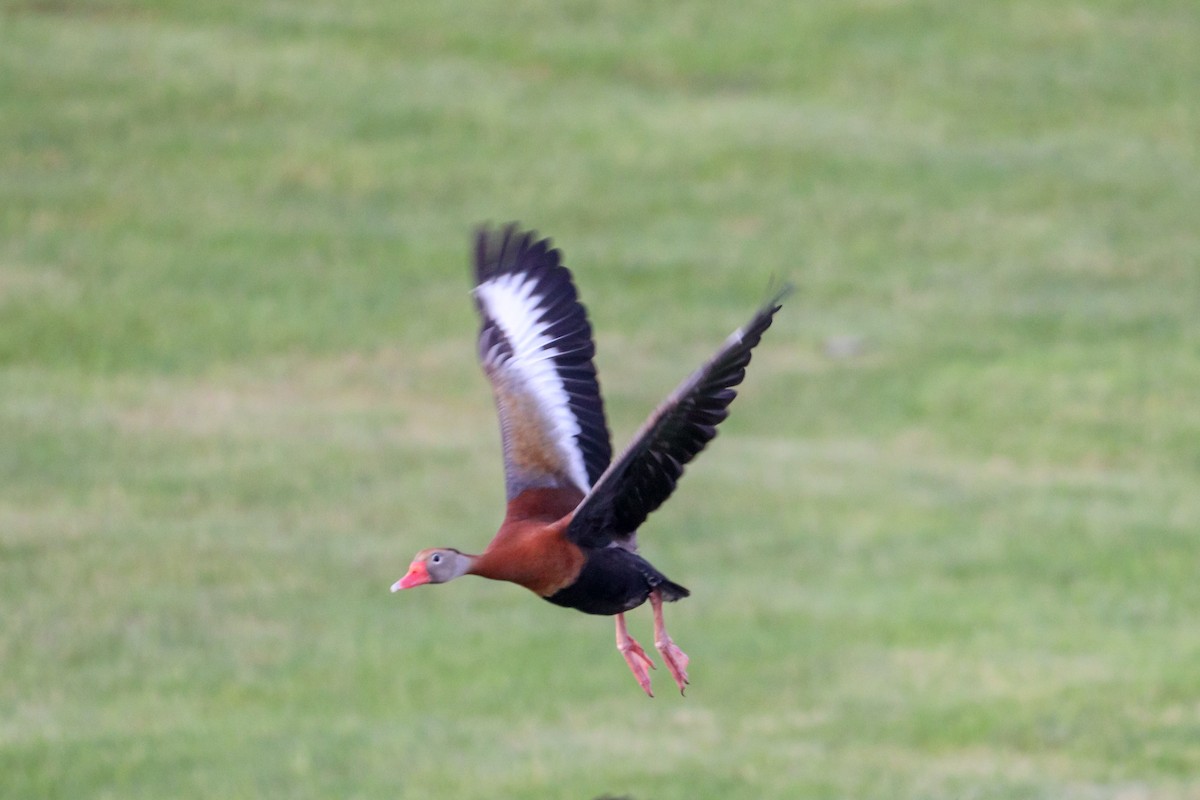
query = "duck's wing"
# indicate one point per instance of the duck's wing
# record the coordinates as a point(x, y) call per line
point(536, 348)
point(646, 473)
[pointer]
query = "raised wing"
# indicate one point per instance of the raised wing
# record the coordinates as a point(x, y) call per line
point(536, 347)
point(646, 473)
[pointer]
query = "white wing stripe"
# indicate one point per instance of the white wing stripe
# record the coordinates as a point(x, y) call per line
point(510, 302)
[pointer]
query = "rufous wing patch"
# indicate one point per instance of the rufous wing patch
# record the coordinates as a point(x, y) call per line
point(530, 443)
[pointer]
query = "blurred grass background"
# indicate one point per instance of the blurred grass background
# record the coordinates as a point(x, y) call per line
point(238, 390)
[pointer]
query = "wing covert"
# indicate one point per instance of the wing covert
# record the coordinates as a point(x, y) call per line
point(535, 345)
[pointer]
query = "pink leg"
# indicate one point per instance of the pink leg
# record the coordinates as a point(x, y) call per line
point(634, 655)
point(675, 658)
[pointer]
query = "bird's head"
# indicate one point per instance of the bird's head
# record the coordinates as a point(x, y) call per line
point(436, 565)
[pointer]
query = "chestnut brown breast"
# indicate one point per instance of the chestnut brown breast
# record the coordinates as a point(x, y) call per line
point(531, 547)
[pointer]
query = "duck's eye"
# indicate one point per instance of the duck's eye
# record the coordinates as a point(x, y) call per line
point(436, 559)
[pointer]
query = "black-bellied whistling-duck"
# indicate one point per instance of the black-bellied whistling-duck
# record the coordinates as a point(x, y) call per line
point(570, 533)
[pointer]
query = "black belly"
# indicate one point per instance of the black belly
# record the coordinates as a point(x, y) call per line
point(613, 581)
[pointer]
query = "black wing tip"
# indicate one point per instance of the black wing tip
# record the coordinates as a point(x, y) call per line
point(777, 292)
point(509, 248)
point(750, 334)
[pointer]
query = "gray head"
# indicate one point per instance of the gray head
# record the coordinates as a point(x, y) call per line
point(436, 565)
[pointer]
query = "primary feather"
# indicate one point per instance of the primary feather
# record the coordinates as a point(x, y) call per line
point(646, 473)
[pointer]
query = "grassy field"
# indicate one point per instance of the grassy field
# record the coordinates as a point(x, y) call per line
point(238, 390)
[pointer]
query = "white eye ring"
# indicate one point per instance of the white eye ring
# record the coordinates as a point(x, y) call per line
point(437, 558)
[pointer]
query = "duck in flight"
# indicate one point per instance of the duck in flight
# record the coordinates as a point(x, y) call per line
point(570, 531)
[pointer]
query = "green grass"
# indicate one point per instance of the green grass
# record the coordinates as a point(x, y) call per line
point(238, 391)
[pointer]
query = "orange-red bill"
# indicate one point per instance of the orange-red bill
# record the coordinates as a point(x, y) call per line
point(418, 574)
